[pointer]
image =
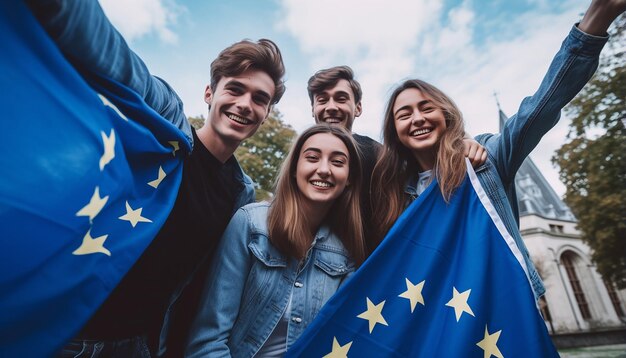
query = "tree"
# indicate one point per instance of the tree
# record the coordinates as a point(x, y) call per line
point(196, 122)
point(262, 154)
point(593, 162)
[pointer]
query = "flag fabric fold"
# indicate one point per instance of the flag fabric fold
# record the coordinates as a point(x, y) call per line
point(447, 281)
point(89, 175)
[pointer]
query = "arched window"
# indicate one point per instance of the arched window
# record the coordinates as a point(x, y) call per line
point(614, 298)
point(567, 259)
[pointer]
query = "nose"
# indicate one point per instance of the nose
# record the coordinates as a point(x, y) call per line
point(331, 106)
point(418, 119)
point(244, 104)
point(323, 169)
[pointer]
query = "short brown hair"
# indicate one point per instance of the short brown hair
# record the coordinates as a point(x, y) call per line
point(239, 57)
point(329, 77)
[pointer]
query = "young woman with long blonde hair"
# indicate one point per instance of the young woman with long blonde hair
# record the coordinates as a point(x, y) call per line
point(423, 132)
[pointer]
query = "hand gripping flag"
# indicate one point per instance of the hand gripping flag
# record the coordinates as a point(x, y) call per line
point(89, 175)
point(447, 281)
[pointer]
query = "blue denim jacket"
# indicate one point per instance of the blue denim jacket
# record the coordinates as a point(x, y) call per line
point(570, 70)
point(84, 35)
point(250, 284)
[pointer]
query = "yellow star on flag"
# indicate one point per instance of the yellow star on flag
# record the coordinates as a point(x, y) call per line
point(413, 293)
point(108, 103)
point(338, 350)
point(373, 314)
point(155, 183)
point(459, 303)
point(489, 344)
point(109, 149)
point(134, 216)
point(174, 144)
point(91, 245)
point(95, 205)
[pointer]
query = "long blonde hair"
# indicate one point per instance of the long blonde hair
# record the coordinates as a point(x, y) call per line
point(396, 164)
point(287, 224)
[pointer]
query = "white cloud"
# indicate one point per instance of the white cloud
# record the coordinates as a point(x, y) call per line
point(137, 18)
point(375, 37)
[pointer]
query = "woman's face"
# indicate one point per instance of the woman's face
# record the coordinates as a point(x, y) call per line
point(322, 169)
point(419, 124)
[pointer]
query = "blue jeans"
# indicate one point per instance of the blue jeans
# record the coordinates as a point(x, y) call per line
point(135, 347)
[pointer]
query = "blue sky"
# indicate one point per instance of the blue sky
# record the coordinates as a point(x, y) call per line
point(470, 49)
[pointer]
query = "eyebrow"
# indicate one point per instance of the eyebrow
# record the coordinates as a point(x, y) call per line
point(238, 84)
point(419, 104)
point(326, 93)
point(319, 151)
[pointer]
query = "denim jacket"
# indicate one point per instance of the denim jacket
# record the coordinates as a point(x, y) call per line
point(251, 282)
point(570, 70)
point(86, 37)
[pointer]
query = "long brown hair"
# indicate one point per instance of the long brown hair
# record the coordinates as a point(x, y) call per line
point(288, 226)
point(396, 164)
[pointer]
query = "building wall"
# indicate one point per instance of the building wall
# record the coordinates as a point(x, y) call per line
point(554, 245)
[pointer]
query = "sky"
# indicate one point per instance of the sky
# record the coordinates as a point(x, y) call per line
point(469, 49)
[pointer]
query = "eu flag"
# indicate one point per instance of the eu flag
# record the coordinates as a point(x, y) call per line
point(89, 175)
point(447, 281)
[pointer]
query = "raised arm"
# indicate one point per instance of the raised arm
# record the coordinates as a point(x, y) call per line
point(83, 33)
point(569, 71)
point(600, 15)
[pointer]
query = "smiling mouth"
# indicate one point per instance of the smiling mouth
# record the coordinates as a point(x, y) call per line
point(321, 184)
point(238, 119)
point(332, 120)
point(419, 132)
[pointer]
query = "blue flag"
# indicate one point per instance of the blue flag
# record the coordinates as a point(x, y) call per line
point(447, 281)
point(89, 175)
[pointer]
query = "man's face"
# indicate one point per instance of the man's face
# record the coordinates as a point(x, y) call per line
point(239, 104)
point(336, 105)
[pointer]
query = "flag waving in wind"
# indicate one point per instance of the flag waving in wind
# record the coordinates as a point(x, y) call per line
point(89, 175)
point(447, 281)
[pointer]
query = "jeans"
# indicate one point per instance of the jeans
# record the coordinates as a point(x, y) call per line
point(135, 347)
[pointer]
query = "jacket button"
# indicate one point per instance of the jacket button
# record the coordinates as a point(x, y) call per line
point(298, 284)
point(296, 319)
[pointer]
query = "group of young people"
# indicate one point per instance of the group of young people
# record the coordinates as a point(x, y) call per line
point(262, 271)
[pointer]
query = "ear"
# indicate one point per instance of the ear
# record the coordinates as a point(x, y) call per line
point(269, 110)
point(358, 110)
point(208, 95)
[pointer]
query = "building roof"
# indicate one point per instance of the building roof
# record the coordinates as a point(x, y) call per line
point(535, 196)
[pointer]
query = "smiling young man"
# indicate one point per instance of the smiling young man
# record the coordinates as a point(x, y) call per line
point(246, 81)
point(336, 99)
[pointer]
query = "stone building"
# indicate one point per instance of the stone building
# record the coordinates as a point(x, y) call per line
point(577, 300)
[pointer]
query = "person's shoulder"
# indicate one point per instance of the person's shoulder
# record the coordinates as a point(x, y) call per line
point(365, 140)
point(262, 206)
point(256, 216)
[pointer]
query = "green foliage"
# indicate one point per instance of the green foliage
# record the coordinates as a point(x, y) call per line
point(593, 162)
point(196, 122)
point(262, 154)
